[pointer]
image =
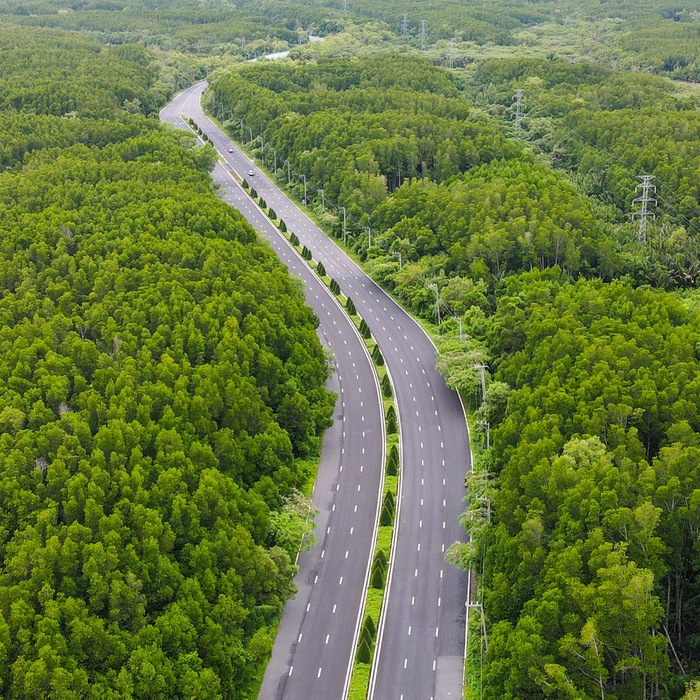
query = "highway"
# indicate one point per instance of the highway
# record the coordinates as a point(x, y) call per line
point(420, 644)
point(314, 646)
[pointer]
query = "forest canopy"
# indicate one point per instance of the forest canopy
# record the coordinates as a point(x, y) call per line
point(161, 396)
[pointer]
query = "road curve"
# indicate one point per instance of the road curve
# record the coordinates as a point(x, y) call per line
point(314, 646)
point(420, 642)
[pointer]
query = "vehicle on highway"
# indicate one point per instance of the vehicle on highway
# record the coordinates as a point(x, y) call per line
point(230, 150)
point(251, 173)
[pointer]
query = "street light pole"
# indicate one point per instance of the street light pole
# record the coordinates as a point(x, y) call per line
point(250, 131)
point(435, 289)
point(397, 254)
point(345, 230)
point(323, 201)
point(304, 176)
point(369, 236)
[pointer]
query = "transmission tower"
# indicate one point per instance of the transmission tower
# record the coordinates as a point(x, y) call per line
point(345, 6)
point(451, 53)
point(422, 34)
point(518, 105)
point(644, 214)
point(404, 26)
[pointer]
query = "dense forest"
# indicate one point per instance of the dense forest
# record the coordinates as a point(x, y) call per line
point(161, 395)
point(590, 558)
point(162, 391)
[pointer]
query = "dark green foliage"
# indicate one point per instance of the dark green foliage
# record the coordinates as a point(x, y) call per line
point(364, 652)
point(245, 185)
point(271, 214)
point(350, 307)
point(364, 329)
point(386, 387)
point(334, 287)
point(253, 193)
point(368, 627)
point(377, 356)
point(378, 571)
point(306, 253)
point(392, 461)
point(388, 508)
point(294, 239)
point(283, 228)
point(391, 424)
point(321, 269)
point(262, 203)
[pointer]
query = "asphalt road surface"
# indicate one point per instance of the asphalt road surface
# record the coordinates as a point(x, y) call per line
point(420, 645)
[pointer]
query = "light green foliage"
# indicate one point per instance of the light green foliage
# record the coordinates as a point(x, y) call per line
point(293, 524)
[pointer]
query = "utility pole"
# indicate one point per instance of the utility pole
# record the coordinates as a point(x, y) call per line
point(482, 369)
point(422, 34)
point(274, 153)
point(397, 254)
point(345, 230)
point(304, 176)
point(289, 172)
point(436, 289)
point(644, 200)
point(369, 235)
point(323, 200)
point(451, 54)
point(518, 107)
point(404, 26)
point(250, 131)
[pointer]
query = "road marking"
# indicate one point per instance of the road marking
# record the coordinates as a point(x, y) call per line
point(301, 634)
point(308, 605)
point(346, 553)
point(318, 675)
point(413, 600)
point(409, 630)
point(334, 608)
point(328, 636)
point(439, 601)
point(323, 553)
point(405, 665)
point(340, 583)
